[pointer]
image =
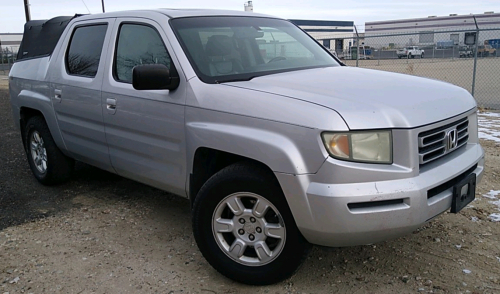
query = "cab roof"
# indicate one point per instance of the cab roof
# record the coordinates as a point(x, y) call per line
point(175, 13)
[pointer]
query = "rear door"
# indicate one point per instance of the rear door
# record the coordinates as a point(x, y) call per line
point(76, 85)
point(144, 129)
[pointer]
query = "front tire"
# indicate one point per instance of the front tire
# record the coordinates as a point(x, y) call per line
point(48, 164)
point(409, 56)
point(244, 227)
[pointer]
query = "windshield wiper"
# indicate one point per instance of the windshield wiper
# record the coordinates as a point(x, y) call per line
point(234, 80)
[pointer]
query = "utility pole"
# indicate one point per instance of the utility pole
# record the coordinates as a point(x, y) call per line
point(102, 1)
point(27, 10)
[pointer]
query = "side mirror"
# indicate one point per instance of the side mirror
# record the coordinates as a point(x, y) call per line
point(154, 77)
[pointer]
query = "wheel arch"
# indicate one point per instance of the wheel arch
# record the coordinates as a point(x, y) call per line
point(25, 113)
point(30, 104)
point(277, 147)
point(209, 161)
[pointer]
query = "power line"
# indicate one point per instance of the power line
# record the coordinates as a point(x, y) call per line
point(86, 7)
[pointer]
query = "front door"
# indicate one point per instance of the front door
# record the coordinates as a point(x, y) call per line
point(144, 129)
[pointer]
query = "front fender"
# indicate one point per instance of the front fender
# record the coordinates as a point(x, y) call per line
point(282, 147)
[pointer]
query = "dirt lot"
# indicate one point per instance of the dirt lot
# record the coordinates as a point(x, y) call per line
point(455, 71)
point(101, 233)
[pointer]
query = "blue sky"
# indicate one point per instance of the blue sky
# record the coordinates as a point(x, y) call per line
point(12, 11)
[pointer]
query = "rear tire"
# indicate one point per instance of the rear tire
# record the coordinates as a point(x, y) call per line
point(422, 55)
point(48, 164)
point(244, 227)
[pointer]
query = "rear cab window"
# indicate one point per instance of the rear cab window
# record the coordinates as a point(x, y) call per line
point(84, 50)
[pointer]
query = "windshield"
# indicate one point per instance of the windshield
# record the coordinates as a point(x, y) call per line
point(223, 49)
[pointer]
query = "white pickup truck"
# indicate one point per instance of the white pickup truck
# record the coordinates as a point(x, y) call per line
point(410, 52)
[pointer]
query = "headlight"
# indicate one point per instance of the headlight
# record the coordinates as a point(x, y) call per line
point(373, 147)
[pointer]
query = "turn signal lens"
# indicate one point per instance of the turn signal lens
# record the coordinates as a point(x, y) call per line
point(337, 144)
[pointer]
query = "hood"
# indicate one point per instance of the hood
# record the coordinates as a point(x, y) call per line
point(369, 99)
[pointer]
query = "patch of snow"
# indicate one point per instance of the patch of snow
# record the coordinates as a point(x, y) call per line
point(474, 219)
point(466, 271)
point(493, 114)
point(489, 126)
point(497, 203)
point(492, 194)
point(495, 136)
point(494, 217)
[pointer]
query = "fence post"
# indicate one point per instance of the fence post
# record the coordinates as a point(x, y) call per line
point(475, 58)
point(357, 46)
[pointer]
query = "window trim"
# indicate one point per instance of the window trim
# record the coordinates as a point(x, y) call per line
point(113, 68)
point(66, 66)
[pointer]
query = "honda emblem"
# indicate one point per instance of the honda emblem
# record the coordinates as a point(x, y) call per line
point(451, 139)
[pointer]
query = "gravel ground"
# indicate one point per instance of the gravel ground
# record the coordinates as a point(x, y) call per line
point(455, 71)
point(100, 233)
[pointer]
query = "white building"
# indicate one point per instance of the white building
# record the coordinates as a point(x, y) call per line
point(439, 31)
point(10, 41)
point(336, 35)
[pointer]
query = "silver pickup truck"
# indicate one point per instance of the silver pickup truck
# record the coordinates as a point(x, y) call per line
point(276, 143)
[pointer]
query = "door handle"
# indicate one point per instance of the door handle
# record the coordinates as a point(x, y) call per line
point(58, 95)
point(111, 105)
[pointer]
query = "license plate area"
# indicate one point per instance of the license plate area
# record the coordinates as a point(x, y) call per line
point(463, 193)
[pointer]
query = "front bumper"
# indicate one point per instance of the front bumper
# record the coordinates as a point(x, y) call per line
point(363, 213)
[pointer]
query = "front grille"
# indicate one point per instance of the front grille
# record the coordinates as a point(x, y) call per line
point(440, 141)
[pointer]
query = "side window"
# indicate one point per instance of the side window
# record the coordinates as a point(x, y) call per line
point(84, 51)
point(138, 44)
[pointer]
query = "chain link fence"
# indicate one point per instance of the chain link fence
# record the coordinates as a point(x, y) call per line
point(8, 55)
point(467, 58)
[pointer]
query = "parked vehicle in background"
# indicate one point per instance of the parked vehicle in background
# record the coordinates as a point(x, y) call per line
point(365, 52)
point(486, 50)
point(410, 52)
point(276, 144)
point(494, 43)
point(465, 51)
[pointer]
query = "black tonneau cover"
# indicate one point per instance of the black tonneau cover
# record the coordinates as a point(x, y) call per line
point(41, 36)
